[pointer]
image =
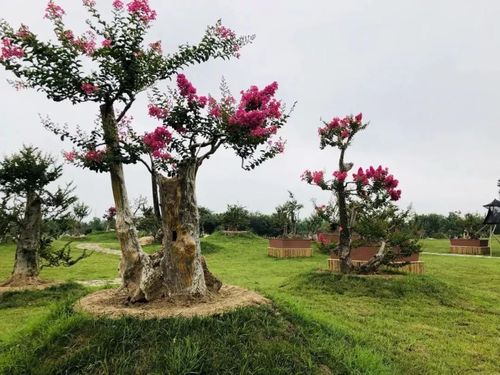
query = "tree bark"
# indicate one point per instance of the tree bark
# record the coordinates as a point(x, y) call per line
point(138, 275)
point(345, 230)
point(374, 263)
point(183, 268)
point(28, 244)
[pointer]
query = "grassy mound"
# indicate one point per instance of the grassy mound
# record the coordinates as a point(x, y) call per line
point(250, 341)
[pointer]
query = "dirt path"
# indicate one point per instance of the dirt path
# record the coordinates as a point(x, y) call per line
point(97, 248)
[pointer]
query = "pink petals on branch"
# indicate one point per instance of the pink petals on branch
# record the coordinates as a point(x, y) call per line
point(142, 10)
point(53, 11)
point(89, 88)
point(9, 50)
point(340, 176)
point(157, 140)
point(186, 88)
point(157, 112)
point(117, 4)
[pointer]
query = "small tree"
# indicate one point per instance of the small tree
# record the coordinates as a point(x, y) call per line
point(366, 199)
point(288, 214)
point(80, 212)
point(110, 217)
point(236, 218)
point(24, 180)
point(109, 65)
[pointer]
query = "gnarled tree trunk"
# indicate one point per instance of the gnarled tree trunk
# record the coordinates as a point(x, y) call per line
point(345, 230)
point(139, 276)
point(184, 269)
point(28, 244)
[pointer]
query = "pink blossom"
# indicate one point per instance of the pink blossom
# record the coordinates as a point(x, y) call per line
point(89, 3)
point(9, 50)
point(70, 156)
point(157, 112)
point(345, 133)
point(340, 176)
point(279, 146)
point(85, 43)
point(89, 88)
point(359, 117)
point(106, 43)
point(395, 194)
point(157, 140)
point(117, 4)
point(141, 9)
point(69, 35)
point(23, 32)
point(224, 32)
point(323, 239)
point(317, 177)
point(202, 101)
point(186, 88)
point(109, 214)
point(53, 11)
point(360, 177)
point(256, 107)
point(156, 47)
point(94, 155)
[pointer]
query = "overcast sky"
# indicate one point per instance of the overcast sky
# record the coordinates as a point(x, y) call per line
point(425, 73)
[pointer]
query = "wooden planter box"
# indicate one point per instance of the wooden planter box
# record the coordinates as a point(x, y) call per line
point(469, 246)
point(361, 255)
point(289, 248)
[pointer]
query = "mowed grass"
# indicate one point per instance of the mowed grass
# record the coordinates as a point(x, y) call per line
point(445, 322)
point(432, 245)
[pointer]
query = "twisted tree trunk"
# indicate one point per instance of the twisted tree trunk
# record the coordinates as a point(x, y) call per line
point(184, 269)
point(28, 244)
point(136, 269)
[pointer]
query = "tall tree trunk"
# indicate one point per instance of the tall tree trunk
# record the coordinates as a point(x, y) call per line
point(28, 244)
point(345, 230)
point(154, 188)
point(183, 267)
point(137, 272)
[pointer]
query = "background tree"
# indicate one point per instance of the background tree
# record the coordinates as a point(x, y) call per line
point(236, 218)
point(80, 212)
point(24, 180)
point(209, 221)
point(367, 196)
point(288, 216)
point(109, 65)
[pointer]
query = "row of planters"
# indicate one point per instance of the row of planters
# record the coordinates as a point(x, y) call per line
point(370, 231)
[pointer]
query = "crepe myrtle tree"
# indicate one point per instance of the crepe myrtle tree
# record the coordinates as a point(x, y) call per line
point(193, 128)
point(24, 184)
point(110, 64)
point(368, 194)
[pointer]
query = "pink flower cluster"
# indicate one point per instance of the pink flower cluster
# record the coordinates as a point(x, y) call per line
point(255, 108)
point(157, 140)
point(156, 47)
point(224, 32)
point(106, 43)
point(95, 156)
point(157, 112)
point(117, 4)
point(89, 88)
point(24, 32)
point(109, 214)
point(340, 176)
point(379, 176)
point(9, 50)
point(70, 156)
point(89, 3)
point(53, 11)
point(342, 128)
point(316, 177)
point(141, 9)
point(86, 43)
point(186, 88)
point(278, 146)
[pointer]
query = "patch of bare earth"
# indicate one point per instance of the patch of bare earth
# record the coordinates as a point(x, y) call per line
point(112, 303)
point(13, 285)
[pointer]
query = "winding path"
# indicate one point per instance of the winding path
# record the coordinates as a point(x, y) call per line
point(97, 248)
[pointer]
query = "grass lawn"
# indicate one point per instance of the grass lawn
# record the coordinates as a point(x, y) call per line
point(445, 322)
point(432, 245)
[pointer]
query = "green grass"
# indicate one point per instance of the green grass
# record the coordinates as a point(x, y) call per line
point(445, 322)
point(443, 246)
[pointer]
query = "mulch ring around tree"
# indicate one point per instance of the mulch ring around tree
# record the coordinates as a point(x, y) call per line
point(112, 303)
point(33, 284)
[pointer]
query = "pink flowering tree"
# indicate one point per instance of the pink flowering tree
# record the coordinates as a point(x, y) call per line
point(362, 200)
point(110, 64)
point(192, 128)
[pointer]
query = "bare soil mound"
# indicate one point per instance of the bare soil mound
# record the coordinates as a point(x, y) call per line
point(112, 303)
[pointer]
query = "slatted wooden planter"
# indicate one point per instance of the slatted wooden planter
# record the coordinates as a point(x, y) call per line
point(415, 267)
point(361, 255)
point(469, 246)
point(289, 248)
